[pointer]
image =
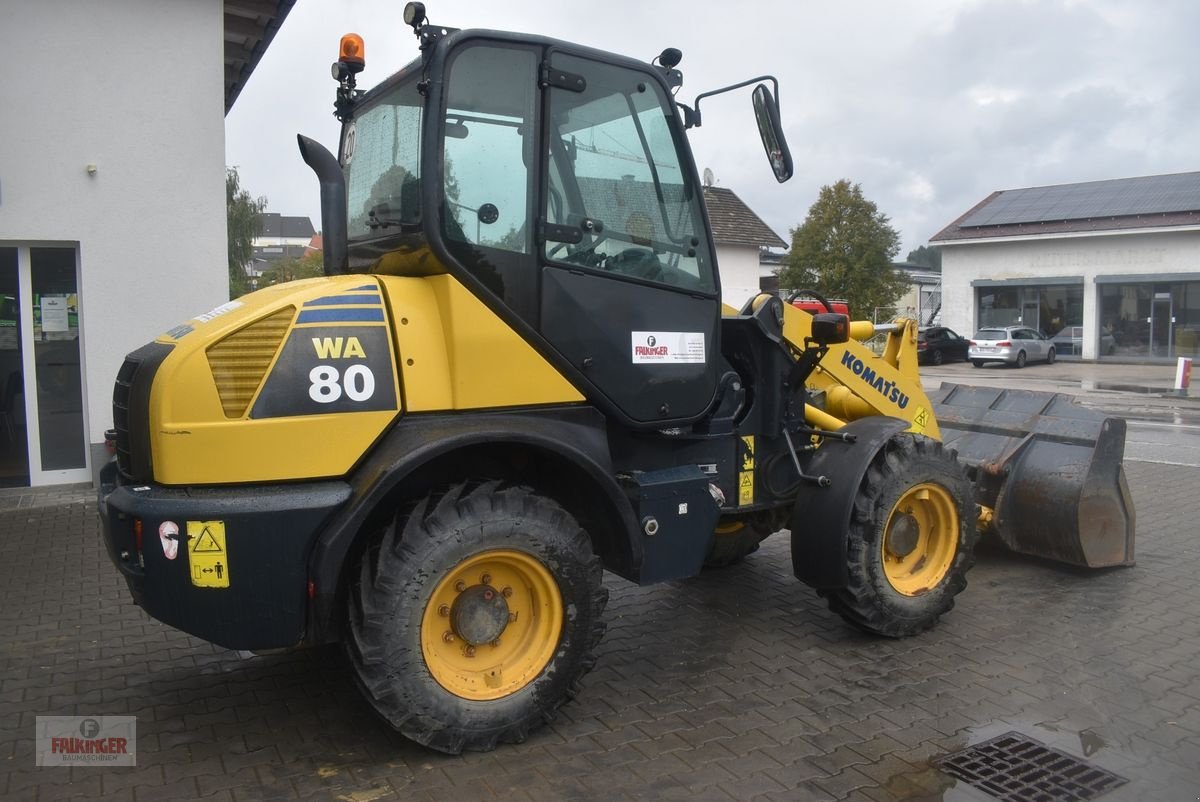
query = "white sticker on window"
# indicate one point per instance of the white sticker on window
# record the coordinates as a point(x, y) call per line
point(667, 347)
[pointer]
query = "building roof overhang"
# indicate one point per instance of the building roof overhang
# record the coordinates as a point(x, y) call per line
point(250, 25)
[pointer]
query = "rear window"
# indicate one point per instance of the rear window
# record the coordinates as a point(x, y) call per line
point(990, 334)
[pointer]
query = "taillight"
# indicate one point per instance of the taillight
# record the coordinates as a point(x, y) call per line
point(1005, 344)
point(972, 343)
point(137, 533)
point(922, 346)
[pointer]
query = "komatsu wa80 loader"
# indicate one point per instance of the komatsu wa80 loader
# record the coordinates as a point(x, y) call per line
point(518, 373)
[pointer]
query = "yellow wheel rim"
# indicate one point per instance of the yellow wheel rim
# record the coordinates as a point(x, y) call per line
point(492, 624)
point(920, 539)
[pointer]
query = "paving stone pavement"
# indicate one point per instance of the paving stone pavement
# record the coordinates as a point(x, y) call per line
point(738, 684)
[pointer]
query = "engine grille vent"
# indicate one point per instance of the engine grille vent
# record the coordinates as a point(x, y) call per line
point(240, 361)
point(121, 392)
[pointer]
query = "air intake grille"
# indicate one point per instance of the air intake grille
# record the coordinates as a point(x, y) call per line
point(121, 392)
point(240, 361)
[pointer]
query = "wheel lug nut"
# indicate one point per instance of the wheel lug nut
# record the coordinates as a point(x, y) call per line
point(448, 636)
point(460, 586)
point(444, 610)
point(495, 643)
point(507, 592)
point(486, 579)
point(469, 651)
point(512, 617)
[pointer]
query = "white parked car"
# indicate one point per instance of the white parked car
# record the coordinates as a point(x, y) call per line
point(1014, 345)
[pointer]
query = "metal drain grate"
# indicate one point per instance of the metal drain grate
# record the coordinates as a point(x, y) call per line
point(1015, 768)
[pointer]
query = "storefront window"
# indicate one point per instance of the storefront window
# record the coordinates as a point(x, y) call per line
point(1054, 310)
point(1152, 321)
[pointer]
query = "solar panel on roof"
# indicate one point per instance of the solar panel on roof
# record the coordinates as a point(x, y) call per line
point(1121, 197)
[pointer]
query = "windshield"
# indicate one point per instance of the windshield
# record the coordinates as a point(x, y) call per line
point(381, 156)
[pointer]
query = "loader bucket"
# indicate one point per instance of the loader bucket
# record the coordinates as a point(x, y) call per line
point(1049, 469)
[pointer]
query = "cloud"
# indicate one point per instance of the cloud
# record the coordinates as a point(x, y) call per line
point(930, 105)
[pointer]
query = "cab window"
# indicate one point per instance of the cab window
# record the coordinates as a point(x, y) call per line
point(488, 144)
point(615, 175)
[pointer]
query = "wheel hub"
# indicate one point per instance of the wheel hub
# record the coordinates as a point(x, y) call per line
point(903, 534)
point(479, 614)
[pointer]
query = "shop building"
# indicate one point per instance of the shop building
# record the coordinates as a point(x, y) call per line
point(1105, 269)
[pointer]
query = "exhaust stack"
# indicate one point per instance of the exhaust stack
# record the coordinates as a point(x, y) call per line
point(333, 203)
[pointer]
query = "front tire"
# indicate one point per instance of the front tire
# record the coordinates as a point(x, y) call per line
point(474, 616)
point(911, 540)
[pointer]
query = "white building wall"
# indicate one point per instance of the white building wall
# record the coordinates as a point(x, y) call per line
point(134, 88)
point(1145, 253)
point(739, 273)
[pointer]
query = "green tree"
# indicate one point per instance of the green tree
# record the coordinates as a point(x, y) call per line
point(310, 265)
point(929, 257)
point(243, 219)
point(844, 249)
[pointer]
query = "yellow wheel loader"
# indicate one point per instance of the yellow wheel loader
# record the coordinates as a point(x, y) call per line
point(518, 373)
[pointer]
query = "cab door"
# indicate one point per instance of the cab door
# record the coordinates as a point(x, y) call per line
point(629, 288)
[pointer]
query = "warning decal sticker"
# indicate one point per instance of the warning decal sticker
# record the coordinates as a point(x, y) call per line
point(209, 561)
point(746, 474)
point(668, 347)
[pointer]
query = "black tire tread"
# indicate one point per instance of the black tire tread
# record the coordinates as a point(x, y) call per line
point(400, 550)
point(862, 603)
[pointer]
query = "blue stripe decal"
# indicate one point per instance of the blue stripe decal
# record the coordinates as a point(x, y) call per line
point(371, 287)
point(343, 300)
point(341, 316)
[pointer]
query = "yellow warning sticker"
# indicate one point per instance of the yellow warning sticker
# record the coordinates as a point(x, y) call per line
point(207, 556)
point(745, 488)
point(921, 419)
point(748, 453)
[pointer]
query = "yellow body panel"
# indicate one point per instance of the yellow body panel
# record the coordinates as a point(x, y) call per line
point(451, 350)
point(192, 440)
point(455, 353)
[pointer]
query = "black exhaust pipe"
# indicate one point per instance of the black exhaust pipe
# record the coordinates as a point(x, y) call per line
point(333, 204)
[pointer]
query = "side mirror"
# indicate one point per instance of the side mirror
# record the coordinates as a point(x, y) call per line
point(766, 113)
point(830, 328)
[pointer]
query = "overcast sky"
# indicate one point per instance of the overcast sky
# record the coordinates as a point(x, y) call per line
point(929, 104)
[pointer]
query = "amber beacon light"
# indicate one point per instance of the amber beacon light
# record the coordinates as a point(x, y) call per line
point(352, 51)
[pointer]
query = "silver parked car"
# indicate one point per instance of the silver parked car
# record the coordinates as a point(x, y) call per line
point(1014, 345)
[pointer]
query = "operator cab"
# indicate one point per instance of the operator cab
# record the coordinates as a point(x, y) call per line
point(557, 184)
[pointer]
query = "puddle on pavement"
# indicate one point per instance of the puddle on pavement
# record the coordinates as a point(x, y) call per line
point(927, 783)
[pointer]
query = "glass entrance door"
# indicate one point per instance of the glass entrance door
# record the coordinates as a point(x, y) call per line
point(1030, 311)
point(1160, 325)
point(43, 436)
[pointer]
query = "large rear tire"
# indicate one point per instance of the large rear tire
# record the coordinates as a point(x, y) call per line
point(474, 616)
point(911, 540)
